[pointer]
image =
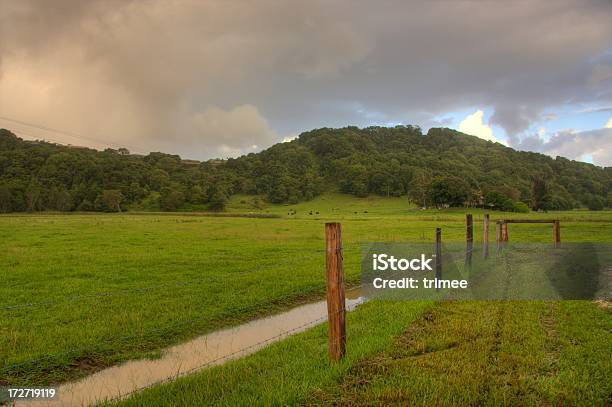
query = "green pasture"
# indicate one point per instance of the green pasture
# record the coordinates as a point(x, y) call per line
point(85, 291)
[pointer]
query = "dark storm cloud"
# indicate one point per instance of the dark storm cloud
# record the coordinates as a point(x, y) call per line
point(223, 77)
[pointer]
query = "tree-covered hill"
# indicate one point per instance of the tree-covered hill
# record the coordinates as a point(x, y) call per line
point(441, 168)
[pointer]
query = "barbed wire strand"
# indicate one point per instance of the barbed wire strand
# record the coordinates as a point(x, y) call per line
point(152, 288)
point(228, 356)
point(318, 251)
point(232, 310)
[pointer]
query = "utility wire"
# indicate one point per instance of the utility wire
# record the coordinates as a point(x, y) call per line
point(71, 134)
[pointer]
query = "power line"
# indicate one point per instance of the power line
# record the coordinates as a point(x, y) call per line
point(38, 138)
point(74, 135)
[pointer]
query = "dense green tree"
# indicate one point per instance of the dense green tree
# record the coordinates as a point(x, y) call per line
point(6, 199)
point(540, 196)
point(498, 201)
point(419, 188)
point(86, 205)
point(218, 199)
point(59, 199)
point(449, 191)
point(196, 195)
point(109, 200)
point(595, 203)
point(171, 199)
point(34, 197)
point(444, 167)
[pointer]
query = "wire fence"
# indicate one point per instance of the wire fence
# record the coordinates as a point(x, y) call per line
point(231, 311)
point(121, 292)
point(230, 355)
point(68, 358)
point(192, 326)
point(57, 360)
point(198, 325)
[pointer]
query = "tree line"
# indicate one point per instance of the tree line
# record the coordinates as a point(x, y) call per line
point(439, 169)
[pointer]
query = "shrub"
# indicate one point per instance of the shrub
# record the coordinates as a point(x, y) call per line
point(171, 199)
point(86, 205)
point(520, 207)
point(498, 201)
point(595, 203)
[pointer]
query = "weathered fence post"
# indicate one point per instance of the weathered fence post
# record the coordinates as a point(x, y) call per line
point(469, 228)
point(498, 232)
point(335, 290)
point(438, 254)
point(469, 238)
point(485, 236)
point(504, 231)
point(556, 233)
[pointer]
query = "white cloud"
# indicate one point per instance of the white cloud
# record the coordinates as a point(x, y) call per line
point(474, 125)
point(290, 137)
point(608, 124)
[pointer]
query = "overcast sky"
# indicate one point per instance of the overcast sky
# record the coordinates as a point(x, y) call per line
point(214, 78)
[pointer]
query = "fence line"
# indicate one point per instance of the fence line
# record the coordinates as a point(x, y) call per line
point(192, 321)
point(170, 326)
point(336, 311)
point(228, 356)
point(268, 372)
point(335, 297)
point(21, 285)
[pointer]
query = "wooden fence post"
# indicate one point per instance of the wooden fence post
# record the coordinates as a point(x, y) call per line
point(335, 291)
point(504, 232)
point(556, 233)
point(469, 238)
point(469, 228)
point(438, 253)
point(485, 236)
point(498, 231)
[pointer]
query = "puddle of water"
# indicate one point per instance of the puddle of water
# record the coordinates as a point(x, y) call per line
point(212, 349)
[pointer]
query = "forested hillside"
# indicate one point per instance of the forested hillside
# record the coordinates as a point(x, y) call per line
point(441, 168)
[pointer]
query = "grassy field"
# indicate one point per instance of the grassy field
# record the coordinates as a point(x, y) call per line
point(493, 353)
point(287, 372)
point(84, 291)
point(341, 206)
point(418, 353)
